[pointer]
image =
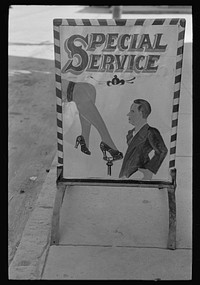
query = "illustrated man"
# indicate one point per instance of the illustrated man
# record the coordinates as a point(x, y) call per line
point(141, 140)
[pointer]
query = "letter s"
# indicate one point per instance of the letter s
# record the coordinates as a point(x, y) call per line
point(76, 52)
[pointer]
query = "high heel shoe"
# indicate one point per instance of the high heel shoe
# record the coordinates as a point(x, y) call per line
point(80, 140)
point(114, 153)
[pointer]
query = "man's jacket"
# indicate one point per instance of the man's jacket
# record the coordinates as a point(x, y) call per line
point(137, 154)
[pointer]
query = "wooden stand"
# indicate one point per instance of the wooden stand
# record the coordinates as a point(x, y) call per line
point(64, 184)
point(171, 244)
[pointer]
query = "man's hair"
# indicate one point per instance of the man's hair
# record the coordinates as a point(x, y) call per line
point(144, 107)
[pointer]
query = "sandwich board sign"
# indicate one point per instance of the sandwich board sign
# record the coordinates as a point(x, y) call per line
point(118, 90)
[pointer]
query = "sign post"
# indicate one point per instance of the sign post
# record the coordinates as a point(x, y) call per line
point(118, 89)
point(116, 12)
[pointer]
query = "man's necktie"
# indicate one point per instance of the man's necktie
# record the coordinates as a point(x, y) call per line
point(130, 135)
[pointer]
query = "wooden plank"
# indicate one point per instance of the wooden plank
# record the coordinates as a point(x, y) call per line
point(61, 188)
point(171, 244)
point(117, 183)
point(172, 220)
point(59, 172)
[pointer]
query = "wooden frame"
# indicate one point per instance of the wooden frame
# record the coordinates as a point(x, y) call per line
point(64, 184)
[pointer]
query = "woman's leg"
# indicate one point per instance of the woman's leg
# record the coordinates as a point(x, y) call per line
point(84, 96)
point(86, 127)
point(85, 124)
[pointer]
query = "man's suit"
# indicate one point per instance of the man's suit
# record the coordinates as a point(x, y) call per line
point(139, 147)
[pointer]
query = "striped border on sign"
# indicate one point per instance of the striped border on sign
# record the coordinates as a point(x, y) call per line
point(176, 95)
point(58, 94)
point(117, 22)
point(180, 23)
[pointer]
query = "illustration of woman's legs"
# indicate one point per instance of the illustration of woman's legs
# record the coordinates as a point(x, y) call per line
point(86, 127)
point(84, 96)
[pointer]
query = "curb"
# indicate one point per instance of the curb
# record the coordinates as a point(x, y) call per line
point(30, 257)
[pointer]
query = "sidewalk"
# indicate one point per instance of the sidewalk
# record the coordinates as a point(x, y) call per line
point(114, 233)
point(96, 243)
point(117, 263)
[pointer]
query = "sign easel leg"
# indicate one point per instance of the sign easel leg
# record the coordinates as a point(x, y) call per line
point(60, 192)
point(171, 244)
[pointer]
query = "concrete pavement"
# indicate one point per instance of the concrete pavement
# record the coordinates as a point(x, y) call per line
point(117, 263)
point(110, 233)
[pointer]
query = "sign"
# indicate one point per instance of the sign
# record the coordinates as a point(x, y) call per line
point(118, 90)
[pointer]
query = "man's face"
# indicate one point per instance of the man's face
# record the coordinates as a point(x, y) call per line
point(134, 115)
